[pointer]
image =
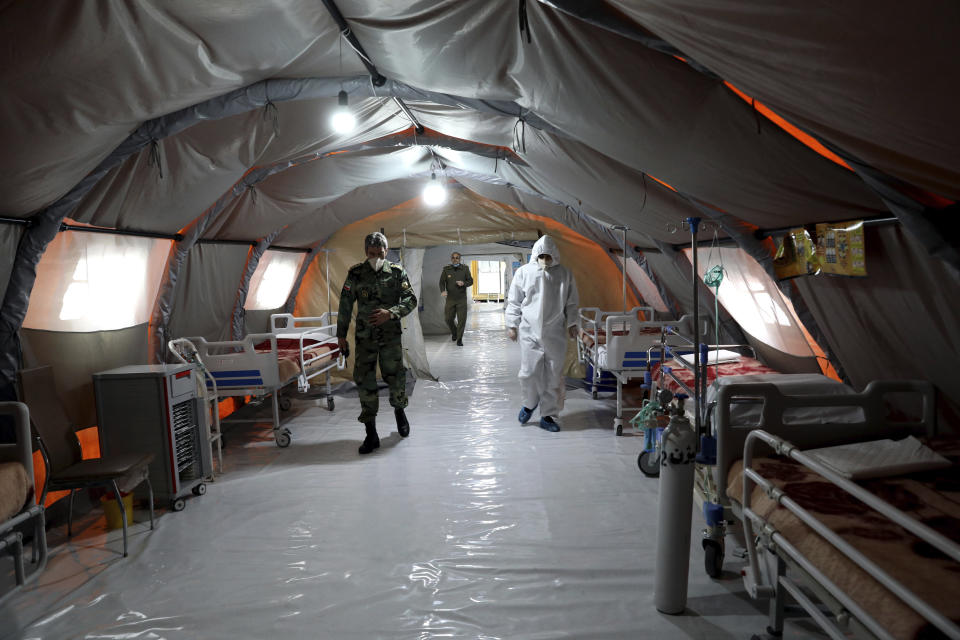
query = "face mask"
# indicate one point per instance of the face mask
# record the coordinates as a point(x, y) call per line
point(544, 263)
point(376, 263)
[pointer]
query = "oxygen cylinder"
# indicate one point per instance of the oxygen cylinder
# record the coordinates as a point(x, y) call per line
point(678, 449)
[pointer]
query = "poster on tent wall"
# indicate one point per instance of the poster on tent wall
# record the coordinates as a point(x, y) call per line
point(840, 248)
point(796, 255)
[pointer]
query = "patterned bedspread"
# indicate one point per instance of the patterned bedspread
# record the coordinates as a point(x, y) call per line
point(744, 366)
point(932, 497)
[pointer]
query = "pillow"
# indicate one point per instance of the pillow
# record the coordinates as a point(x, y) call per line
point(714, 357)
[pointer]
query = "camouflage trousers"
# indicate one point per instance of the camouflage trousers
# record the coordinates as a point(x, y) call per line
point(367, 353)
point(455, 314)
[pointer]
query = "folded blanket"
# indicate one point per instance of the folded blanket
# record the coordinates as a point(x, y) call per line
point(879, 458)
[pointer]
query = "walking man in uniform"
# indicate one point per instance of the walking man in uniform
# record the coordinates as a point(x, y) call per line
point(383, 295)
point(454, 280)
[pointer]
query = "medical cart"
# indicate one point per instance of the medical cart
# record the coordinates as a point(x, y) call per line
point(157, 408)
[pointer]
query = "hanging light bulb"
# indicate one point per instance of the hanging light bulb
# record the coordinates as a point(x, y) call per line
point(434, 194)
point(342, 119)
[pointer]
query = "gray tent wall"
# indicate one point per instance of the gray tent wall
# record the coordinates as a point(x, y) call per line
point(900, 322)
point(9, 239)
point(203, 302)
point(76, 356)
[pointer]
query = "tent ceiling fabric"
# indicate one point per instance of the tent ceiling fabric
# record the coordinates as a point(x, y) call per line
point(213, 116)
point(871, 77)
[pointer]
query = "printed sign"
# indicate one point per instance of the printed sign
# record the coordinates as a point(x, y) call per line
point(840, 248)
point(795, 255)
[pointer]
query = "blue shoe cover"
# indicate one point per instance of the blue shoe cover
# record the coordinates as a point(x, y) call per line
point(548, 424)
point(525, 415)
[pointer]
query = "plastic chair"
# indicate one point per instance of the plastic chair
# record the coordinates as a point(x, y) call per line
point(60, 448)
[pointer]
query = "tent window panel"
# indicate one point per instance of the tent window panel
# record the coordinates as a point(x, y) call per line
point(273, 280)
point(754, 300)
point(644, 285)
point(96, 282)
point(490, 278)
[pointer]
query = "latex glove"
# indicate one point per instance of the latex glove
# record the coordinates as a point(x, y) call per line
point(572, 330)
point(344, 347)
point(512, 334)
point(443, 294)
point(378, 316)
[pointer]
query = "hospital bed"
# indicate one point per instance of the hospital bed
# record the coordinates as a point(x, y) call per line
point(872, 558)
point(296, 350)
point(671, 380)
point(620, 344)
point(18, 498)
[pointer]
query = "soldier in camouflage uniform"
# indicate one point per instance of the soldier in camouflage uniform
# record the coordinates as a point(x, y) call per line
point(383, 295)
point(454, 280)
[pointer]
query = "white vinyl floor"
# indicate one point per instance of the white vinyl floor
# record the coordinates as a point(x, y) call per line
point(473, 527)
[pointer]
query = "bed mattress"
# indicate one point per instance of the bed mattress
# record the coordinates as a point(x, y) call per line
point(14, 489)
point(931, 497)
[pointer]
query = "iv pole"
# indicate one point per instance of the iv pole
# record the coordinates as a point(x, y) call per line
point(623, 268)
point(693, 224)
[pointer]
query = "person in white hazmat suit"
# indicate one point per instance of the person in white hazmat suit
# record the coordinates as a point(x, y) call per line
point(541, 313)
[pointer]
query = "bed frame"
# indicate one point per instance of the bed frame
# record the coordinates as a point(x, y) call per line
point(11, 537)
point(627, 351)
point(237, 368)
point(777, 434)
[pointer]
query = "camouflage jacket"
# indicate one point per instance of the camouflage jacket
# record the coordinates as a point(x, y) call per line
point(387, 289)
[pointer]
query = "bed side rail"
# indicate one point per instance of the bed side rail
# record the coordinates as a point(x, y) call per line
point(287, 321)
point(237, 364)
point(11, 539)
point(775, 418)
point(753, 577)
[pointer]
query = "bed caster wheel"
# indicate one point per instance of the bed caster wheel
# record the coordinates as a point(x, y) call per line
point(285, 403)
point(618, 427)
point(593, 394)
point(329, 404)
point(283, 439)
point(178, 504)
point(713, 558)
point(649, 463)
point(200, 489)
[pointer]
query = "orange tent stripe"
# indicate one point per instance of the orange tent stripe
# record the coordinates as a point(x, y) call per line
point(806, 139)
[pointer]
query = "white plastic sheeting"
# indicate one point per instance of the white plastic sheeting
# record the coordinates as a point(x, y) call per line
point(414, 353)
point(472, 527)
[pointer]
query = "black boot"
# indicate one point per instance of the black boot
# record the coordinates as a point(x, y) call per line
point(372, 441)
point(403, 427)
